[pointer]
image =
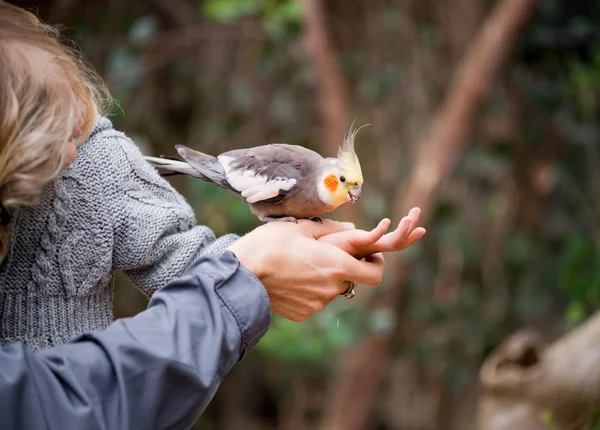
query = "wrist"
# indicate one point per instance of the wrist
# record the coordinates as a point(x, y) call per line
point(251, 259)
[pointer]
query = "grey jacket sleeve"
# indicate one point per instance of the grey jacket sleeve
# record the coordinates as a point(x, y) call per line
point(156, 236)
point(156, 370)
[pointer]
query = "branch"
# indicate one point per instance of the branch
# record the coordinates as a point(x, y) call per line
point(437, 153)
point(364, 365)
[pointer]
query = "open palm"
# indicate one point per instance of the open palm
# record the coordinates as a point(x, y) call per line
point(361, 243)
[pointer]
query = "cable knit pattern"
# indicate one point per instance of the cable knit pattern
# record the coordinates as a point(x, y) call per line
point(109, 211)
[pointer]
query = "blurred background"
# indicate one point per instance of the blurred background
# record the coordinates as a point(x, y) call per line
point(511, 212)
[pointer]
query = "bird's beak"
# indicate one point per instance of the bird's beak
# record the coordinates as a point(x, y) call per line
point(354, 193)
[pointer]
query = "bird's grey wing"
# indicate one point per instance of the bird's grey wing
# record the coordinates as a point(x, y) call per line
point(268, 173)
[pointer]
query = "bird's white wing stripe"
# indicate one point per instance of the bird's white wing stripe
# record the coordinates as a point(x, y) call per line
point(253, 186)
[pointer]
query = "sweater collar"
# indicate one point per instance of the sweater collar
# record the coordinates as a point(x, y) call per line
point(101, 124)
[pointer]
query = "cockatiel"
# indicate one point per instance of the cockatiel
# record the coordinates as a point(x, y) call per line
point(279, 182)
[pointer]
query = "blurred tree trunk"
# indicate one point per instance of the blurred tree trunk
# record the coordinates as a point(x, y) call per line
point(332, 91)
point(528, 384)
point(333, 99)
point(354, 387)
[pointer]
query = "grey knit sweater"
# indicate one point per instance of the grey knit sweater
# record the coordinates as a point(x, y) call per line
point(109, 211)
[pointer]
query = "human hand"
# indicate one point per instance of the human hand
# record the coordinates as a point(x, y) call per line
point(361, 243)
point(302, 275)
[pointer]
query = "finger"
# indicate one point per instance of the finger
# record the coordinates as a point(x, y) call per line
point(377, 233)
point(296, 317)
point(291, 313)
point(310, 299)
point(413, 217)
point(323, 293)
point(341, 285)
point(365, 272)
point(407, 225)
point(414, 236)
point(317, 229)
point(415, 213)
point(392, 241)
point(402, 231)
point(376, 264)
point(376, 258)
point(362, 238)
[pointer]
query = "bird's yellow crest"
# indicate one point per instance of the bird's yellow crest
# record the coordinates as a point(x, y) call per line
point(347, 155)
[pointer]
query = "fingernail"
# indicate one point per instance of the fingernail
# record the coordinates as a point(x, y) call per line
point(348, 225)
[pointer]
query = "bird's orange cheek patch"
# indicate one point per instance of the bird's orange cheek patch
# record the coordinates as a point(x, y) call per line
point(331, 183)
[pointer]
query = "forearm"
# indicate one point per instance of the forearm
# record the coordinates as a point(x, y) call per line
point(152, 262)
point(169, 359)
point(156, 236)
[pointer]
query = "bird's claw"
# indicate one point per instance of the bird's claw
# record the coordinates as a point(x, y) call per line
point(316, 218)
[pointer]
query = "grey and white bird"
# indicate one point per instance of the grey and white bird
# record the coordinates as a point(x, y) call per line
point(279, 182)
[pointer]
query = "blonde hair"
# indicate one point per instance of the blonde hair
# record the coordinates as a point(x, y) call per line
point(46, 93)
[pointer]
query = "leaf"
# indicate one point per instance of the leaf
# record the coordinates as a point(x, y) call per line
point(228, 11)
point(575, 313)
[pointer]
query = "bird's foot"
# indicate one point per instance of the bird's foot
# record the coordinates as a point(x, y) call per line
point(316, 218)
point(283, 219)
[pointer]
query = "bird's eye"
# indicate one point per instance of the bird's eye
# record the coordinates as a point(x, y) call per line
point(342, 178)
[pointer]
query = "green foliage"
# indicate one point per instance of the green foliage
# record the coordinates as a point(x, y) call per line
point(593, 423)
point(547, 419)
point(314, 342)
point(278, 17)
point(228, 11)
point(579, 278)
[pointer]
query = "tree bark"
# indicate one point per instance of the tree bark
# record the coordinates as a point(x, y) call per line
point(354, 387)
point(529, 384)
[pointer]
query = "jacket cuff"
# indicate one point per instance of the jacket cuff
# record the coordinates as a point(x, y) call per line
point(219, 246)
point(243, 295)
point(254, 321)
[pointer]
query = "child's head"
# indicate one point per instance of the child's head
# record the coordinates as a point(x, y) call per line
point(48, 104)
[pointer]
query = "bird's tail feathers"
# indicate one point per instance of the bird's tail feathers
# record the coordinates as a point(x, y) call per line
point(206, 164)
point(175, 166)
point(196, 164)
point(191, 155)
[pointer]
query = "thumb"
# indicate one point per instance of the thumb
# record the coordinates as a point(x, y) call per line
point(317, 229)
